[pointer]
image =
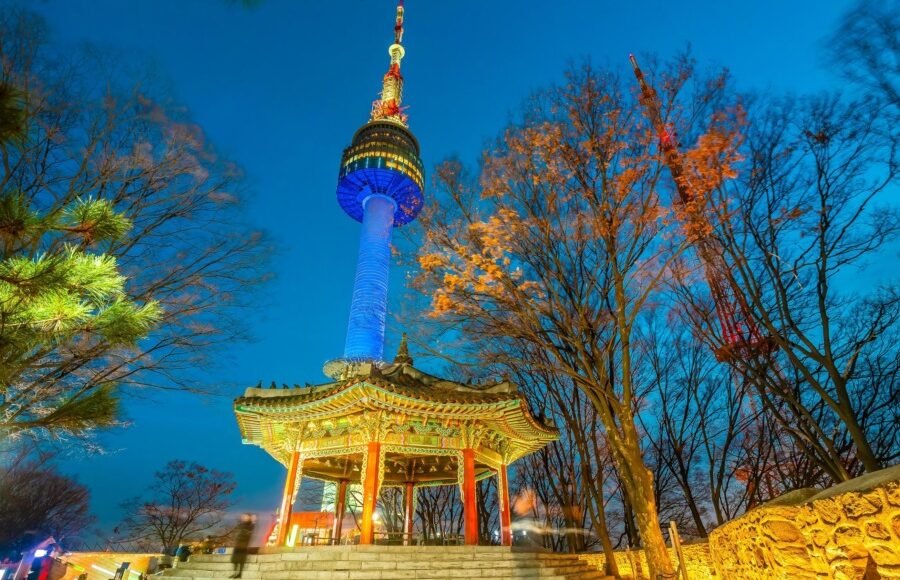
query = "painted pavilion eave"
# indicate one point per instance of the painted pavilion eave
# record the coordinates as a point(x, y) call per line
point(505, 413)
point(264, 415)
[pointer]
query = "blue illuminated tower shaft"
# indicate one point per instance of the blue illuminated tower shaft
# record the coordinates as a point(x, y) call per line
point(365, 331)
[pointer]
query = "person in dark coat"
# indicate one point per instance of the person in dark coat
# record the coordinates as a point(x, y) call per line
point(242, 540)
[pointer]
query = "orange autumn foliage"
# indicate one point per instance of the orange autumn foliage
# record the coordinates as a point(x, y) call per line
point(565, 238)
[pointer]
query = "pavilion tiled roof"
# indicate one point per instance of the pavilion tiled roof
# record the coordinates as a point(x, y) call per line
point(404, 388)
point(400, 379)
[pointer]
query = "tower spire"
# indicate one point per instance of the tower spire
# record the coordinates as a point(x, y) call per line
point(388, 106)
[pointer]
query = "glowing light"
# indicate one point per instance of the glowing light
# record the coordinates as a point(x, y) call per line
point(292, 540)
point(103, 570)
point(388, 106)
point(40, 553)
point(380, 184)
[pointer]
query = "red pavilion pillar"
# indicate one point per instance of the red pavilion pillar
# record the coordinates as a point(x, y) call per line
point(370, 493)
point(410, 513)
point(340, 506)
point(287, 499)
point(505, 516)
point(470, 510)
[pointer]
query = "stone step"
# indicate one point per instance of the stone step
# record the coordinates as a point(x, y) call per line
point(398, 566)
point(533, 574)
point(266, 567)
point(425, 575)
point(389, 563)
point(315, 566)
point(264, 559)
point(477, 551)
point(357, 563)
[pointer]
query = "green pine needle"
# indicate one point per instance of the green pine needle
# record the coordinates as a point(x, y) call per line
point(12, 113)
point(96, 220)
point(18, 224)
point(97, 408)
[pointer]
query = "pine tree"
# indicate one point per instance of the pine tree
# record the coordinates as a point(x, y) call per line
point(59, 292)
point(128, 259)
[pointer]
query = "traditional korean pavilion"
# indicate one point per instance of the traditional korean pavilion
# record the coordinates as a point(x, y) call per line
point(377, 423)
point(393, 425)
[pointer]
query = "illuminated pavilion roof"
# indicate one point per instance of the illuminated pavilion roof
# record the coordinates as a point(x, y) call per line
point(413, 413)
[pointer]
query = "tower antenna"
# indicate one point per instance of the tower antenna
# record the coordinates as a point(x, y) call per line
point(388, 106)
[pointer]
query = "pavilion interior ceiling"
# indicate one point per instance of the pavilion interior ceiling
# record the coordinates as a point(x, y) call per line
point(399, 468)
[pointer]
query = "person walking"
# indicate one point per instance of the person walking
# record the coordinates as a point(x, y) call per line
point(242, 541)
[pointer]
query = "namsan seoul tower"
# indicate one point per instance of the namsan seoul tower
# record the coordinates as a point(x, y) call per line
point(380, 184)
point(380, 423)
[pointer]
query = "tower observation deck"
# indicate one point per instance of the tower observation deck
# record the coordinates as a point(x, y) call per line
point(380, 184)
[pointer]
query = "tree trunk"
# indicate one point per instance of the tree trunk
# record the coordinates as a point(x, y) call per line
point(598, 517)
point(863, 449)
point(643, 502)
point(574, 534)
point(684, 482)
point(634, 540)
point(612, 566)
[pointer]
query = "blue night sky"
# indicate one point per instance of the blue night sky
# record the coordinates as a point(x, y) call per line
point(281, 87)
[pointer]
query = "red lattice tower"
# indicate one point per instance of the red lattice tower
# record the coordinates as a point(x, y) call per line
point(740, 335)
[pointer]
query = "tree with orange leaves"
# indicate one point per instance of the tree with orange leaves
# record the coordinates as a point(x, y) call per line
point(563, 245)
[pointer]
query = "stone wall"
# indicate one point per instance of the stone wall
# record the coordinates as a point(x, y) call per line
point(102, 565)
point(842, 533)
point(850, 531)
point(696, 558)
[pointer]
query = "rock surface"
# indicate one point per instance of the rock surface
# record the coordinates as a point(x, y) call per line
point(849, 531)
point(843, 532)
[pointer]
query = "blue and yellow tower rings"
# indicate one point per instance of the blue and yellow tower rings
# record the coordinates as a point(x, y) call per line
point(383, 159)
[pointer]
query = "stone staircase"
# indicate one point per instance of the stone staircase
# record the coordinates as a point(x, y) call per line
point(390, 562)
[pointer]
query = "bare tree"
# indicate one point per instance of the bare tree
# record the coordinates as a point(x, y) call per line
point(186, 501)
point(706, 431)
point(36, 502)
point(792, 228)
point(866, 47)
point(675, 373)
point(440, 514)
point(391, 502)
point(569, 474)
